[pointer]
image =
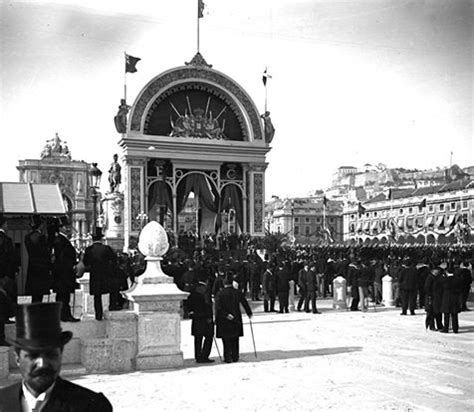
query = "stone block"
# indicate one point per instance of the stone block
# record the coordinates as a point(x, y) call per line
point(123, 355)
point(96, 354)
point(157, 332)
point(121, 325)
point(72, 351)
point(4, 367)
point(167, 360)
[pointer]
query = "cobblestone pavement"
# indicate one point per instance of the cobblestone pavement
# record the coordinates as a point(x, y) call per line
point(343, 361)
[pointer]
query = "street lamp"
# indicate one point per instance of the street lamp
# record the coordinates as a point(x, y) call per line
point(95, 174)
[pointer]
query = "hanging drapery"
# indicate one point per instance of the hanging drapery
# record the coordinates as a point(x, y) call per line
point(200, 186)
point(160, 194)
point(231, 198)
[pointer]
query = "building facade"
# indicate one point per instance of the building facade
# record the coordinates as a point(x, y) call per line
point(307, 220)
point(56, 166)
point(427, 215)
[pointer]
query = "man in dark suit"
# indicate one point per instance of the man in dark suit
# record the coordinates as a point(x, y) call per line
point(38, 277)
point(408, 280)
point(7, 275)
point(229, 325)
point(202, 325)
point(39, 347)
point(64, 273)
point(100, 259)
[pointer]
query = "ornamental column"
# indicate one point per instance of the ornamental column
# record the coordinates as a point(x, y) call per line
point(157, 302)
point(256, 199)
point(134, 205)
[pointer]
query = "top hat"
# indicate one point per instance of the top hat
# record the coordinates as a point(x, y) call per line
point(35, 221)
point(2, 219)
point(97, 235)
point(38, 327)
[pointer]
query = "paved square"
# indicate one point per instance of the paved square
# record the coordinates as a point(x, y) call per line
point(377, 360)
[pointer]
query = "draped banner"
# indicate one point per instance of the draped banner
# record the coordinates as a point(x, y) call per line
point(231, 198)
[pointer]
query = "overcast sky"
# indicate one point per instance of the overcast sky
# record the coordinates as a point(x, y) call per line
point(354, 82)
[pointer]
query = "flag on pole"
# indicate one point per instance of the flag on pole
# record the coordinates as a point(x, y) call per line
point(422, 203)
point(201, 6)
point(325, 201)
point(131, 63)
point(360, 209)
point(390, 194)
point(265, 77)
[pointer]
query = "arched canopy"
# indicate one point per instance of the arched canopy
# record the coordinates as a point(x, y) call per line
point(183, 91)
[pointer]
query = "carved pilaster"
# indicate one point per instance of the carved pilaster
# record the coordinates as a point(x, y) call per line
point(134, 195)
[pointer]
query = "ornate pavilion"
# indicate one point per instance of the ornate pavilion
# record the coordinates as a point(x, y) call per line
point(193, 129)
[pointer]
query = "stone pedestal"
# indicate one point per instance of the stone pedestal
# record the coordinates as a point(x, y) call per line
point(339, 293)
point(114, 219)
point(387, 291)
point(291, 296)
point(157, 303)
point(4, 369)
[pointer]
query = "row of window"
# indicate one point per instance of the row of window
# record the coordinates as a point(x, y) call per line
point(308, 232)
point(441, 222)
point(411, 210)
point(318, 220)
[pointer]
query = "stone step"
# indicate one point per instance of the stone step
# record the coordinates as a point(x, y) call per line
point(67, 371)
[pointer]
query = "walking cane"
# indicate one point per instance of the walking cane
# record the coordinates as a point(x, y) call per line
point(217, 347)
point(253, 338)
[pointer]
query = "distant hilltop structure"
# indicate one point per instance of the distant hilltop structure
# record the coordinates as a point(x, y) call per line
point(360, 184)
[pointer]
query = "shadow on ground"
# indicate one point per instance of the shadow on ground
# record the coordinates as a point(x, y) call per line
point(272, 355)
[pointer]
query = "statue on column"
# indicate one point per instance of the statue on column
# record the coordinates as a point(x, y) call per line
point(269, 129)
point(121, 118)
point(115, 176)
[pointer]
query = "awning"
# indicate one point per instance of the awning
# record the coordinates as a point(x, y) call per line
point(419, 222)
point(359, 226)
point(409, 222)
point(430, 221)
point(451, 220)
point(400, 222)
point(31, 198)
point(366, 225)
point(440, 221)
point(375, 225)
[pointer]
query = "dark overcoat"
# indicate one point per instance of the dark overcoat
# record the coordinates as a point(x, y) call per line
point(7, 256)
point(38, 276)
point(434, 293)
point(282, 279)
point(451, 295)
point(65, 397)
point(64, 274)
point(310, 278)
point(200, 305)
point(228, 301)
point(408, 278)
point(100, 259)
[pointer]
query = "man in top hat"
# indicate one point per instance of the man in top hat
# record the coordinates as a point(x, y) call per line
point(64, 268)
point(229, 325)
point(39, 347)
point(38, 276)
point(101, 260)
point(202, 325)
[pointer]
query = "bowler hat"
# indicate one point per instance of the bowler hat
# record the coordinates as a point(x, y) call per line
point(35, 221)
point(38, 327)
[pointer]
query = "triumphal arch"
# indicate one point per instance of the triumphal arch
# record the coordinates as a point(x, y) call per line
point(194, 131)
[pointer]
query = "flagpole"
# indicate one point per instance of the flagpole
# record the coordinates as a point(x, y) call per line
point(324, 221)
point(198, 30)
point(125, 79)
point(266, 96)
